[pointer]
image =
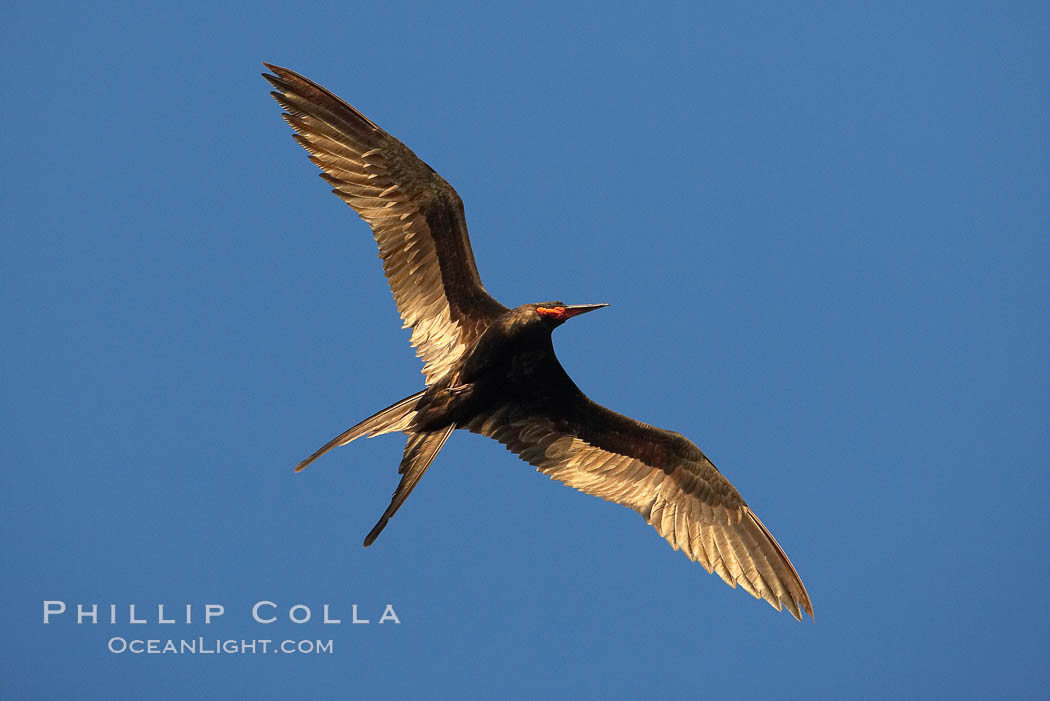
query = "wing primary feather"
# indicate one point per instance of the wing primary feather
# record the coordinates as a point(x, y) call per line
point(683, 496)
point(416, 219)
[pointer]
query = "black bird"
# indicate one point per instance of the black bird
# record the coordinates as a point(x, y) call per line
point(493, 371)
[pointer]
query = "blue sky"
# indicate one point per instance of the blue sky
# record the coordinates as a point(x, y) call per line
point(823, 233)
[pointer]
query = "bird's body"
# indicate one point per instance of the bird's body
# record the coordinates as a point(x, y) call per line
point(493, 371)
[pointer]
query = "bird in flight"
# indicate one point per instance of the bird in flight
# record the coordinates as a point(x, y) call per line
point(492, 370)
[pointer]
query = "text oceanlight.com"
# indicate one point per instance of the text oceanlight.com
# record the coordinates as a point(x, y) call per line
point(203, 646)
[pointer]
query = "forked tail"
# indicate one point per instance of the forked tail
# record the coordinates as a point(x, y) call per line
point(396, 417)
point(420, 451)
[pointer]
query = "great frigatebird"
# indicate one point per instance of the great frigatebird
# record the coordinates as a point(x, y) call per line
point(493, 371)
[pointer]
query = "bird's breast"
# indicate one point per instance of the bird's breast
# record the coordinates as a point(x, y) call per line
point(526, 367)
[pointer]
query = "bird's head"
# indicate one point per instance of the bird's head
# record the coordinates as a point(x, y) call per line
point(555, 314)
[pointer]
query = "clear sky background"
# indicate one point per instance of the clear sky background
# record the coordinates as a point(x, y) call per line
point(823, 230)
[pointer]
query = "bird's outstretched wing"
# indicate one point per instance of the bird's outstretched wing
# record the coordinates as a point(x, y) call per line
point(661, 475)
point(416, 217)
